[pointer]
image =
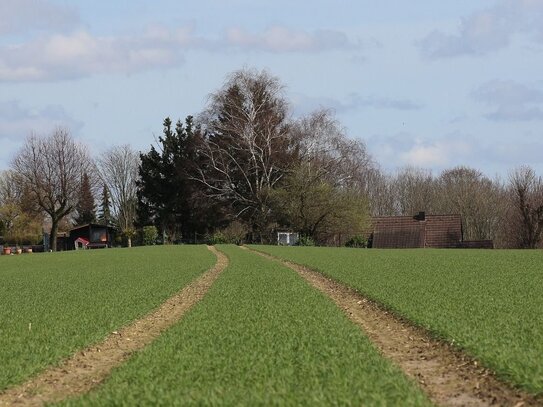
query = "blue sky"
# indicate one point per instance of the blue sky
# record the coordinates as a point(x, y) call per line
point(426, 83)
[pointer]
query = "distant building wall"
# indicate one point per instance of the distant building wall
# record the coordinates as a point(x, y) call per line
point(477, 244)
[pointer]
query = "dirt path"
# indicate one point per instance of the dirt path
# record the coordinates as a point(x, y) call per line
point(90, 367)
point(449, 377)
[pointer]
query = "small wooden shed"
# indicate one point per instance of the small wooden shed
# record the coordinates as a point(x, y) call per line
point(97, 236)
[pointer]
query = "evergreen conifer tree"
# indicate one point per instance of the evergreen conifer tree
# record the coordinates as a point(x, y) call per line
point(85, 207)
point(104, 214)
point(169, 196)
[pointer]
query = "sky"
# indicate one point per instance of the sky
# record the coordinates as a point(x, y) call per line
point(428, 83)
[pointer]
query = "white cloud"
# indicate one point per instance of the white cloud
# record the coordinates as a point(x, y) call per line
point(440, 153)
point(304, 104)
point(405, 149)
point(488, 30)
point(79, 53)
point(510, 100)
point(495, 155)
point(23, 15)
point(284, 39)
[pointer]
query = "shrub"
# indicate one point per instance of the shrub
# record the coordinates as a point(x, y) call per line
point(357, 241)
point(217, 238)
point(234, 233)
point(150, 235)
point(305, 241)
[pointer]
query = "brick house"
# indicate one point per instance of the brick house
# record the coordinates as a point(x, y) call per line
point(421, 231)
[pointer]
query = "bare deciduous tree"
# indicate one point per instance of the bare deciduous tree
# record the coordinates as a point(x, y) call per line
point(324, 193)
point(466, 191)
point(9, 199)
point(9, 187)
point(380, 193)
point(119, 172)
point(51, 168)
point(414, 191)
point(328, 153)
point(526, 189)
point(20, 218)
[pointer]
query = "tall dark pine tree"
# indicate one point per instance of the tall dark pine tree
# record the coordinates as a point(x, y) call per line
point(168, 195)
point(104, 213)
point(85, 207)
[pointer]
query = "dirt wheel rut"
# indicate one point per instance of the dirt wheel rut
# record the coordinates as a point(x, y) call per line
point(88, 368)
point(446, 375)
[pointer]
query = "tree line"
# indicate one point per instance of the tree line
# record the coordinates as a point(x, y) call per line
point(243, 169)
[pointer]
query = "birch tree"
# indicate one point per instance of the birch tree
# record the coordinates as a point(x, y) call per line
point(246, 149)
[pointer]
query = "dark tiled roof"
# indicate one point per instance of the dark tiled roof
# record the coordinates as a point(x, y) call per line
point(437, 231)
point(398, 232)
point(92, 225)
point(443, 231)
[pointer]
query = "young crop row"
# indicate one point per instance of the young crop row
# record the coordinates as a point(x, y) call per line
point(489, 303)
point(261, 336)
point(54, 304)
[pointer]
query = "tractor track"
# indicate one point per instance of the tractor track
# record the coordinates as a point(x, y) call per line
point(447, 375)
point(90, 367)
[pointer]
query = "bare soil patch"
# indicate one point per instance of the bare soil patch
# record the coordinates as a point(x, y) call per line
point(88, 368)
point(447, 375)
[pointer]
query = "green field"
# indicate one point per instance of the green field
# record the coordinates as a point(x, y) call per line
point(54, 304)
point(489, 303)
point(261, 336)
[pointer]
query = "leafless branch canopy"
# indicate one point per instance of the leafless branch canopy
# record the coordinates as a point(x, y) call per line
point(118, 169)
point(52, 168)
point(330, 155)
point(527, 192)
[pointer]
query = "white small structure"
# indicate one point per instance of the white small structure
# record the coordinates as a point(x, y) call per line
point(287, 238)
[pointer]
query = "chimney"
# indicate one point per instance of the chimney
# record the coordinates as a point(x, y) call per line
point(421, 216)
